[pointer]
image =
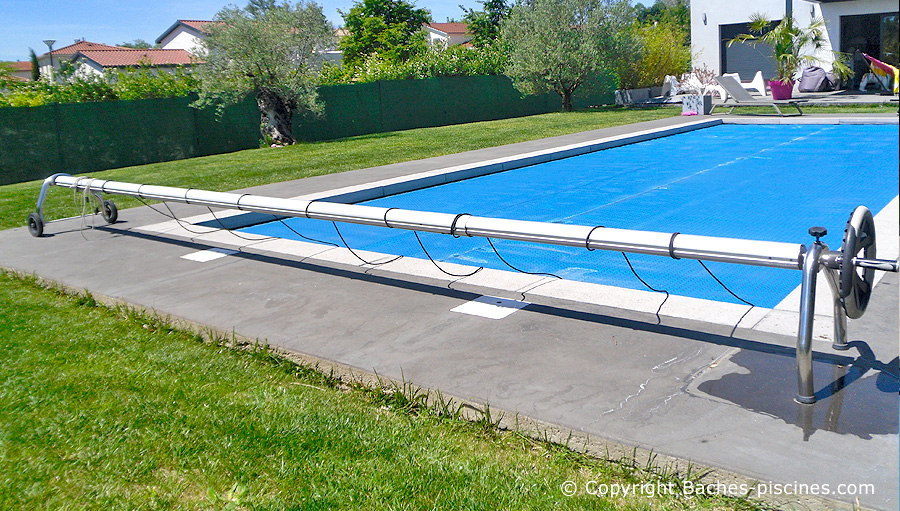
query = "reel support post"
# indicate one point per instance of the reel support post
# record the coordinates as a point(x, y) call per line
point(806, 393)
point(831, 264)
point(840, 317)
point(850, 288)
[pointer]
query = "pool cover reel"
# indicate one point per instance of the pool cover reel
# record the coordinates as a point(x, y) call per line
point(851, 290)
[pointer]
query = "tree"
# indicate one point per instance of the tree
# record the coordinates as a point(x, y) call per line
point(140, 44)
point(557, 45)
point(391, 29)
point(668, 11)
point(6, 75)
point(258, 7)
point(662, 52)
point(793, 47)
point(275, 52)
point(35, 66)
point(485, 24)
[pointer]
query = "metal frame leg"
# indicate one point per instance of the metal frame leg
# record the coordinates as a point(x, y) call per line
point(840, 317)
point(50, 181)
point(806, 393)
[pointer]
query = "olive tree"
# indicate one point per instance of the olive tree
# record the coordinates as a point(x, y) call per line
point(274, 51)
point(558, 45)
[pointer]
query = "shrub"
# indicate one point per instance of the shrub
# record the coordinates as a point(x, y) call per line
point(664, 51)
point(145, 83)
point(140, 83)
point(437, 61)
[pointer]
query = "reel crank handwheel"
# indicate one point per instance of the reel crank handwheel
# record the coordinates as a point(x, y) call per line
point(856, 284)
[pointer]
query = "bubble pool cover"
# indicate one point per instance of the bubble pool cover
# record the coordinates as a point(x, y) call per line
point(762, 182)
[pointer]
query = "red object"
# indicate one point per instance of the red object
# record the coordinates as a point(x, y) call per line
point(781, 90)
point(887, 68)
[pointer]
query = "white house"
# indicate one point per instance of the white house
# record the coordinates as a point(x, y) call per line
point(447, 34)
point(185, 35)
point(21, 70)
point(188, 35)
point(95, 62)
point(65, 54)
point(852, 26)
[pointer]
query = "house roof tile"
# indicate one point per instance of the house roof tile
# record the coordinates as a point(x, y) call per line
point(82, 45)
point(451, 28)
point(127, 57)
point(200, 25)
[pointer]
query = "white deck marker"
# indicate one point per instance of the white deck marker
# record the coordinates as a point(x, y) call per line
point(205, 256)
point(490, 307)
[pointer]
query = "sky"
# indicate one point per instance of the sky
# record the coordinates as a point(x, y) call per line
point(27, 23)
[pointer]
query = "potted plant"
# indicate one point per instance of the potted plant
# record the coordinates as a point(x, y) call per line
point(793, 48)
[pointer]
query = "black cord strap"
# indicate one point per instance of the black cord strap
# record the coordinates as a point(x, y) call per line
point(436, 265)
point(491, 243)
point(386, 224)
point(305, 237)
point(370, 263)
point(453, 224)
point(672, 245)
point(648, 286)
point(587, 241)
point(306, 209)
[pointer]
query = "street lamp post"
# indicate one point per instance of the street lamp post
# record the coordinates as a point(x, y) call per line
point(49, 43)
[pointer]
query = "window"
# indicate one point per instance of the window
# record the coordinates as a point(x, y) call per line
point(890, 49)
point(873, 34)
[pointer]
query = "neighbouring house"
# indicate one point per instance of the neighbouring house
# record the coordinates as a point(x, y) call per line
point(448, 34)
point(852, 26)
point(96, 62)
point(95, 58)
point(334, 55)
point(21, 70)
point(186, 35)
point(65, 54)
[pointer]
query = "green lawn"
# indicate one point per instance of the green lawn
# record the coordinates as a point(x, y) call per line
point(107, 409)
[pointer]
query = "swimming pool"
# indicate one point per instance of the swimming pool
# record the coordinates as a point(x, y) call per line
point(765, 182)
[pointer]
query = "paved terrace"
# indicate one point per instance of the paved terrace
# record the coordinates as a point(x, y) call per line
point(686, 389)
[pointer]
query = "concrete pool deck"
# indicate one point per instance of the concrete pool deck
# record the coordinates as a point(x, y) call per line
point(686, 388)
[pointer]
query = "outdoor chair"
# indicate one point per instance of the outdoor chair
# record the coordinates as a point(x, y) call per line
point(882, 74)
point(758, 84)
point(740, 97)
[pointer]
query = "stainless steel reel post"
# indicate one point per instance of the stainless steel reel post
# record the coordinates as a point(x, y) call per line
point(851, 279)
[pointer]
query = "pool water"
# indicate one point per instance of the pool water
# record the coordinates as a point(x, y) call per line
point(762, 182)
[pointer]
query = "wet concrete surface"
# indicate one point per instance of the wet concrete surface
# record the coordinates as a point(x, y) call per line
point(860, 396)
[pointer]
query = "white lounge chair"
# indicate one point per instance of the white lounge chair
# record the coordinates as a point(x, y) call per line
point(758, 84)
point(692, 84)
point(740, 97)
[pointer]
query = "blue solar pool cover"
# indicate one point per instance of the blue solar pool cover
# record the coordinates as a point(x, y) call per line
point(762, 182)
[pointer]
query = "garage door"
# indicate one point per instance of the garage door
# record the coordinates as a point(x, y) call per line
point(744, 59)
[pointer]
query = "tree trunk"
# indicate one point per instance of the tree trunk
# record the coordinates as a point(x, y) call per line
point(275, 117)
point(567, 101)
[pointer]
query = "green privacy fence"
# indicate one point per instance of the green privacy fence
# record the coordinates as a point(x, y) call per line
point(84, 137)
